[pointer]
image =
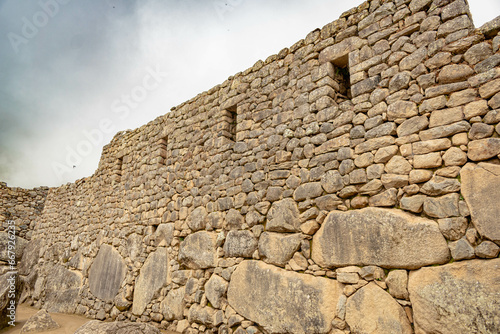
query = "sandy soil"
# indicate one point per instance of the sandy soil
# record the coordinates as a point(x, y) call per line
point(69, 323)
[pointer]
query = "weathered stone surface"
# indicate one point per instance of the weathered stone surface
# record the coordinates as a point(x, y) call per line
point(454, 73)
point(198, 250)
point(412, 125)
point(372, 310)
point(402, 109)
point(201, 315)
point(439, 185)
point(309, 309)
point(7, 249)
point(443, 206)
point(461, 249)
point(397, 282)
point(444, 130)
point(240, 244)
point(419, 241)
point(398, 165)
point(338, 53)
point(480, 184)
point(117, 327)
point(453, 228)
point(284, 216)
point(234, 220)
point(153, 276)
point(411, 61)
point(61, 289)
point(454, 157)
point(31, 256)
point(462, 297)
point(487, 250)
point(197, 220)
point(278, 248)
point(164, 234)
point(172, 307)
point(215, 289)
point(483, 149)
point(445, 116)
point(332, 181)
point(308, 190)
point(39, 322)
point(106, 273)
point(430, 160)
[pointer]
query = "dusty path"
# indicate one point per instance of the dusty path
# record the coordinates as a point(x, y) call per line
point(69, 323)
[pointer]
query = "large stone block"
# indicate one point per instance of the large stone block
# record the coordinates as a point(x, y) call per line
point(106, 273)
point(283, 301)
point(372, 310)
point(8, 247)
point(461, 297)
point(31, 255)
point(153, 276)
point(284, 216)
point(382, 237)
point(121, 327)
point(62, 287)
point(198, 250)
point(481, 191)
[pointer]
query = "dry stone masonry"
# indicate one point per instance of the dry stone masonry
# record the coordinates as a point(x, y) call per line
point(348, 184)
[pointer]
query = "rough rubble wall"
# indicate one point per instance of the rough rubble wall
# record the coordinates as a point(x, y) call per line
point(347, 184)
point(22, 206)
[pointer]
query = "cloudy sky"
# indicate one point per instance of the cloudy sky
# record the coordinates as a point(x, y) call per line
point(73, 72)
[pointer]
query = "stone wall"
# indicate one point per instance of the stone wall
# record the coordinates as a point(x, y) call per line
point(23, 206)
point(348, 184)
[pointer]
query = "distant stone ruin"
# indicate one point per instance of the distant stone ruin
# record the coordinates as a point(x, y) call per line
point(348, 184)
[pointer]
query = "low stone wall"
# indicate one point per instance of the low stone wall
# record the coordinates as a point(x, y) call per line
point(348, 184)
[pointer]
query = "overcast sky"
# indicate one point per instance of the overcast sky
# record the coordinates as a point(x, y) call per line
point(73, 72)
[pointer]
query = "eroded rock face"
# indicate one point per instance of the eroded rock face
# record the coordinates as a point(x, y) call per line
point(117, 327)
point(153, 276)
point(39, 322)
point(172, 307)
point(480, 188)
point(284, 216)
point(372, 310)
point(198, 250)
point(4, 247)
point(30, 257)
point(461, 297)
point(240, 244)
point(61, 289)
point(283, 301)
point(106, 273)
point(382, 237)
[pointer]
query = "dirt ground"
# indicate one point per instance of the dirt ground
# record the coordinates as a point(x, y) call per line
point(69, 323)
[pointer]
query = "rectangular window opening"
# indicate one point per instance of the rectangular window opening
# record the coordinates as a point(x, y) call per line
point(343, 78)
point(228, 123)
point(163, 151)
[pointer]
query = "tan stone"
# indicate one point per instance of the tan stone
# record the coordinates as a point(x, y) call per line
point(284, 216)
point(480, 184)
point(445, 116)
point(338, 53)
point(431, 160)
point(462, 297)
point(337, 243)
point(309, 309)
point(483, 149)
point(153, 276)
point(372, 310)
